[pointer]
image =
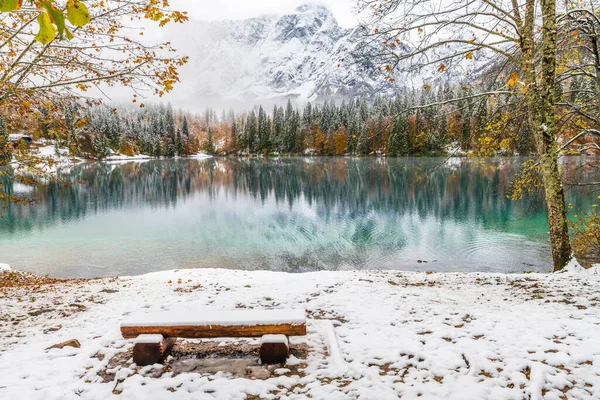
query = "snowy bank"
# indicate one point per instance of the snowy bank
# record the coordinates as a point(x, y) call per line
point(371, 334)
point(4, 267)
point(200, 155)
point(123, 158)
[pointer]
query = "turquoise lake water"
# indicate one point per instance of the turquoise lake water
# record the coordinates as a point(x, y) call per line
point(292, 214)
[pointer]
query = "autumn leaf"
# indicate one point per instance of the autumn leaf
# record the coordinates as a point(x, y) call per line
point(442, 68)
point(47, 32)
point(426, 86)
point(10, 5)
point(57, 18)
point(469, 55)
point(77, 13)
point(513, 79)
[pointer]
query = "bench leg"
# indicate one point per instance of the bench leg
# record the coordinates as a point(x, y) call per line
point(274, 349)
point(151, 349)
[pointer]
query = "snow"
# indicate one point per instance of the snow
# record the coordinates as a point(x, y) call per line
point(4, 267)
point(148, 339)
point(274, 339)
point(303, 55)
point(338, 365)
point(121, 157)
point(60, 156)
point(574, 268)
point(370, 335)
point(191, 316)
point(13, 137)
point(200, 155)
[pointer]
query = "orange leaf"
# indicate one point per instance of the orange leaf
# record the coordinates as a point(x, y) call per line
point(442, 68)
point(426, 86)
point(513, 79)
point(469, 55)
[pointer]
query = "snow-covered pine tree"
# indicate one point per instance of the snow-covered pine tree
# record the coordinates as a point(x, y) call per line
point(180, 145)
point(5, 147)
point(185, 130)
point(264, 132)
point(210, 146)
point(250, 132)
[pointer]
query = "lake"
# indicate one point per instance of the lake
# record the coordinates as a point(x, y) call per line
point(289, 214)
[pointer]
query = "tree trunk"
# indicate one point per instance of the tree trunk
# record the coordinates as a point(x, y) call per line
point(541, 104)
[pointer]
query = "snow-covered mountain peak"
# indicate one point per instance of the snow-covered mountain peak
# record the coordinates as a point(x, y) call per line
point(304, 54)
point(305, 22)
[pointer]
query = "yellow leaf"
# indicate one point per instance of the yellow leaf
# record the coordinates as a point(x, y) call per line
point(9, 5)
point(47, 31)
point(513, 79)
point(469, 55)
point(442, 68)
point(426, 86)
point(77, 13)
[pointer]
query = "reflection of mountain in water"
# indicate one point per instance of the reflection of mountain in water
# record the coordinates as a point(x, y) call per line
point(292, 214)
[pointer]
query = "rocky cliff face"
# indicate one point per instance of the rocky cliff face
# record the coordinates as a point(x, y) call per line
point(304, 55)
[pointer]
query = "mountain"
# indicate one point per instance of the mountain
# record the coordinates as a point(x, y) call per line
point(304, 55)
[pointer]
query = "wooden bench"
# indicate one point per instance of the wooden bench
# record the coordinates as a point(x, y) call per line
point(157, 332)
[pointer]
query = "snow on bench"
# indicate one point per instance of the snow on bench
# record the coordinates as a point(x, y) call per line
point(156, 332)
point(216, 323)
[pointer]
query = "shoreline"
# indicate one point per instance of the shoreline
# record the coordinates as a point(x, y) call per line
point(414, 334)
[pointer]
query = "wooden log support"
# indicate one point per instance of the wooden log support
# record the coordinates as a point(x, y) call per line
point(274, 349)
point(151, 349)
point(156, 332)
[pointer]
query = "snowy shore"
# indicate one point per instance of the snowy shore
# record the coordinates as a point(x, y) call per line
point(371, 334)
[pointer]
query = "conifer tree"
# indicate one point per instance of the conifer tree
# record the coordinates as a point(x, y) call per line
point(5, 147)
point(264, 132)
point(171, 148)
point(100, 146)
point(250, 132)
point(399, 140)
point(180, 146)
point(185, 130)
point(278, 125)
point(210, 146)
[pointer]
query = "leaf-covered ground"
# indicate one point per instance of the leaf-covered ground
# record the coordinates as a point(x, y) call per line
point(400, 335)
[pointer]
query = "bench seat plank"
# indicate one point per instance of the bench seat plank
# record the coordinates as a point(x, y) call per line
point(217, 323)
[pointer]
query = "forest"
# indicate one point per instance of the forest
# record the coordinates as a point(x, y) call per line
point(423, 121)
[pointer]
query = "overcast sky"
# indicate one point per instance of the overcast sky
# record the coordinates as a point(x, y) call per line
point(241, 9)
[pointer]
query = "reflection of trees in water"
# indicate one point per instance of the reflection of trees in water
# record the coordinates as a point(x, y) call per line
point(337, 188)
